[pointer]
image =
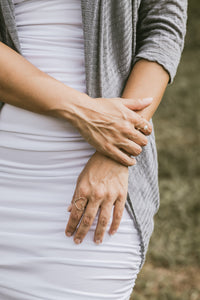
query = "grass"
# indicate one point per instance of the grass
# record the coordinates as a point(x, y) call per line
point(172, 268)
point(168, 284)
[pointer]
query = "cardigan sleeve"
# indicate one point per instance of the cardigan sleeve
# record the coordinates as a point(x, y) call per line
point(1, 39)
point(161, 30)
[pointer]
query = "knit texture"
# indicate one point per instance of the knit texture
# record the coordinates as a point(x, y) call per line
point(117, 33)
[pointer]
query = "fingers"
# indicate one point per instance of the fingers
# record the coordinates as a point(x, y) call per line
point(144, 126)
point(105, 215)
point(75, 215)
point(117, 215)
point(133, 145)
point(137, 104)
point(135, 119)
point(139, 123)
point(89, 216)
point(120, 156)
point(103, 220)
point(130, 147)
point(138, 137)
point(86, 222)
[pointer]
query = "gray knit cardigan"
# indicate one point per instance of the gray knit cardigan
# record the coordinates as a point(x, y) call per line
point(116, 34)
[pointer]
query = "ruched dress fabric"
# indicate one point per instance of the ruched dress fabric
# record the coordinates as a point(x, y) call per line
point(40, 160)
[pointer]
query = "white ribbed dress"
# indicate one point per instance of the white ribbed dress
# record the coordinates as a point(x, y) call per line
point(40, 160)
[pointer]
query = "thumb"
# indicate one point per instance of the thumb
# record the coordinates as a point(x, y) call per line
point(137, 104)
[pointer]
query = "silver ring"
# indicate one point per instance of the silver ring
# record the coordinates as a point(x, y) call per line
point(82, 208)
point(146, 127)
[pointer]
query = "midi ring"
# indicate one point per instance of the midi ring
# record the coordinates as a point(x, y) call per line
point(82, 208)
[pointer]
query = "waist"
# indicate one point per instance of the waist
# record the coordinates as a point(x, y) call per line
point(24, 130)
point(15, 119)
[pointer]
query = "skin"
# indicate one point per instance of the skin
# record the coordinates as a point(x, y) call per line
point(109, 126)
point(103, 181)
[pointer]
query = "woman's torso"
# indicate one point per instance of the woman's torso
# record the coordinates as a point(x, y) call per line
point(51, 38)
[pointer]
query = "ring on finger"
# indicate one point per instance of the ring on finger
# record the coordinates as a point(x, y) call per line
point(145, 128)
point(82, 208)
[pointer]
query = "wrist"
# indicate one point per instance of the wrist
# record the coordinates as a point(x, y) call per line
point(147, 79)
point(104, 158)
point(67, 103)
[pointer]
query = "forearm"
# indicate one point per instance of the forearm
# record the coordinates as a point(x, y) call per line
point(25, 86)
point(147, 79)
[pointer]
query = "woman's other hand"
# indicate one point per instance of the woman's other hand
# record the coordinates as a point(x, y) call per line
point(102, 184)
point(113, 127)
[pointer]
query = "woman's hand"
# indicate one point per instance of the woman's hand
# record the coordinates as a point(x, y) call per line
point(102, 184)
point(110, 125)
point(107, 124)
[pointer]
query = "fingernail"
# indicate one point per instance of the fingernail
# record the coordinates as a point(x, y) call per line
point(147, 100)
point(113, 232)
point(134, 161)
point(68, 233)
point(77, 241)
point(98, 241)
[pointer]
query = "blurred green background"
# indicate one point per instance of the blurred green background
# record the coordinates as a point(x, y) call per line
point(172, 268)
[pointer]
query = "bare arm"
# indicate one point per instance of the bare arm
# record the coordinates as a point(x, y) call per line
point(147, 78)
point(108, 125)
point(25, 86)
point(160, 39)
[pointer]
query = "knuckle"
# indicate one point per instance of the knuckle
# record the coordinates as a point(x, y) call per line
point(134, 134)
point(127, 127)
point(130, 134)
point(103, 221)
point(98, 194)
point(118, 216)
point(87, 220)
point(74, 217)
point(137, 121)
point(138, 150)
point(150, 128)
point(144, 142)
point(109, 196)
point(83, 190)
point(121, 195)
